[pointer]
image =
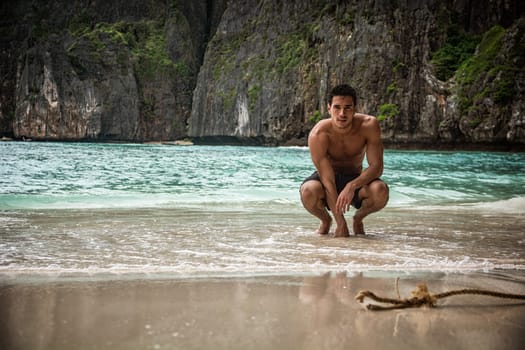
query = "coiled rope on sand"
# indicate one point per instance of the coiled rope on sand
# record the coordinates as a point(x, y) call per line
point(422, 297)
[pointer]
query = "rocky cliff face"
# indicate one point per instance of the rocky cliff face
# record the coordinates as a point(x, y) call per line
point(270, 64)
point(433, 72)
point(102, 70)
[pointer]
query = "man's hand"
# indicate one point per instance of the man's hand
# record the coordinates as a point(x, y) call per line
point(344, 200)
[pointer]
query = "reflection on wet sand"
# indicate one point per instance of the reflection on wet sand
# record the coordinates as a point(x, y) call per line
point(283, 312)
point(460, 322)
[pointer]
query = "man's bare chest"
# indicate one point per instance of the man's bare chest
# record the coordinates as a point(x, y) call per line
point(341, 149)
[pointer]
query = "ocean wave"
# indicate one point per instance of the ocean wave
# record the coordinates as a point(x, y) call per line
point(512, 206)
point(234, 270)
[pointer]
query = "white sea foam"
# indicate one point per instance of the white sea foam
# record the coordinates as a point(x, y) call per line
point(509, 206)
point(196, 271)
point(512, 206)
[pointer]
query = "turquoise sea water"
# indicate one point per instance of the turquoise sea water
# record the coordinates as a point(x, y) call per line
point(83, 209)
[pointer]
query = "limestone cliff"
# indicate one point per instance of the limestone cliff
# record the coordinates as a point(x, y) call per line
point(268, 68)
point(434, 72)
point(102, 70)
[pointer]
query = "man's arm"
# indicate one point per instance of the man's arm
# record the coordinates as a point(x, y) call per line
point(374, 153)
point(318, 145)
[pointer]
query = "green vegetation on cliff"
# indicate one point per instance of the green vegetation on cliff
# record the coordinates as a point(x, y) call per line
point(253, 94)
point(459, 47)
point(290, 52)
point(144, 40)
point(387, 111)
point(150, 53)
point(316, 117)
point(486, 74)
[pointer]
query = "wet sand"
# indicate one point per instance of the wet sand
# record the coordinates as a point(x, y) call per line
point(279, 312)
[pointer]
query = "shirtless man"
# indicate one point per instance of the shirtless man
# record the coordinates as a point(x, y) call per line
point(337, 147)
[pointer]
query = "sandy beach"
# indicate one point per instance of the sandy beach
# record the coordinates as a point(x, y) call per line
point(258, 312)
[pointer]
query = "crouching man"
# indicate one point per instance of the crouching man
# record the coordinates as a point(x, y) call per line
point(338, 146)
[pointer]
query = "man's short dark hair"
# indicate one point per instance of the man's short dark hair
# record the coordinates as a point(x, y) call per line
point(342, 90)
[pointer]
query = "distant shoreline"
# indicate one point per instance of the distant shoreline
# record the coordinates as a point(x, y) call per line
point(234, 141)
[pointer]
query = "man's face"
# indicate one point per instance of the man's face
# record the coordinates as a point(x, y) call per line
point(342, 111)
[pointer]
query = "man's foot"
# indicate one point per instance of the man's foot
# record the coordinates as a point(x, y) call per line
point(359, 229)
point(324, 227)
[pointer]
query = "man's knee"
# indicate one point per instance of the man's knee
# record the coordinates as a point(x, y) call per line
point(311, 192)
point(380, 191)
point(375, 192)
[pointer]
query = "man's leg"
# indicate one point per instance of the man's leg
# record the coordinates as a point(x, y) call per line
point(312, 196)
point(374, 197)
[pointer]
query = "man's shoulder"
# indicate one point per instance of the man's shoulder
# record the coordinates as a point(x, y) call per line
point(367, 122)
point(319, 135)
point(324, 124)
point(321, 128)
point(365, 118)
